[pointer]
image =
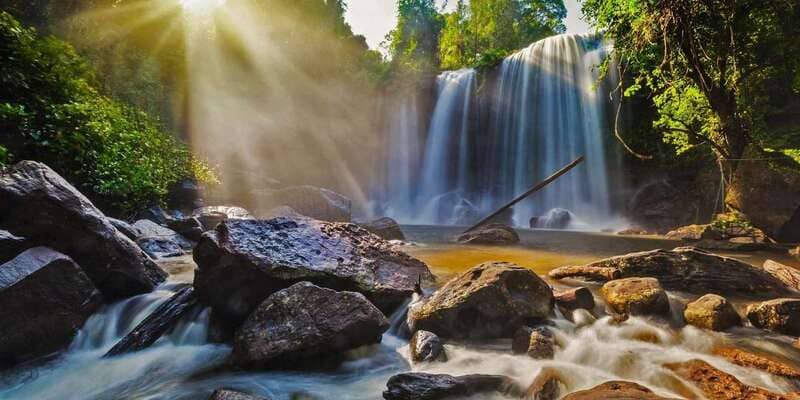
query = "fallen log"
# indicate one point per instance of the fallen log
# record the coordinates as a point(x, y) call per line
point(157, 323)
point(529, 192)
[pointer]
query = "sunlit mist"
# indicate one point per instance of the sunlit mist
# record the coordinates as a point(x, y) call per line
point(201, 6)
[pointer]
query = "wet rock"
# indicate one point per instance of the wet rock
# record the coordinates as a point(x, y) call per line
point(155, 325)
point(160, 242)
point(751, 360)
point(422, 386)
point(719, 385)
point(11, 245)
point(547, 386)
point(636, 296)
point(226, 394)
point(190, 228)
point(311, 201)
point(711, 312)
point(386, 228)
point(127, 229)
point(779, 315)
point(615, 390)
point(557, 218)
point(244, 261)
point(492, 234)
point(306, 325)
point(694, 233)
point(426, 346)
point(573, 299)
point(154, 213)
point(686, 269)
point(211, 216)
point(786, 274)
point(535, 342)
point(45, 298)
point(491, 300)
point(41, 205)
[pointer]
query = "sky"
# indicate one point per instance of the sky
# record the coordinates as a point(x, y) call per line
point(375, 18)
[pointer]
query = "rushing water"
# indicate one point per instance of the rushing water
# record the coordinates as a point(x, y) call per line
point(544, 107)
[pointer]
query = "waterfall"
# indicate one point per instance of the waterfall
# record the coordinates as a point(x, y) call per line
point(548, 110)
point(403, 149)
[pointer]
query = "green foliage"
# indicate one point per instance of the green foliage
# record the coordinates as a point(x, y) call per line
point(732, 222)
point(50, 112)
point(481, 33)
point(414, 43)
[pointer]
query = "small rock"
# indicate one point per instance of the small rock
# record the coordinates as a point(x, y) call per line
point(211, 216)
point(547, 386)
point(779, 315)
point(536, 342)
point(45, 298)
point(190, 227)
point(306, 325)
point(694, 233)
point(711, 312)
point(719, 385)
point(386, 228)
point(491, 300)
point(492, 234)
point(422, 386)
point(636, 296)
point(225, 394)
point(11, 245)
point(751, 360)
point(572, 299)
point(557, 218)
point(615, 390)
point(426, 346)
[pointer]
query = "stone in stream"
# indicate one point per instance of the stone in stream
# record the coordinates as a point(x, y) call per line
point(712, 312)
point(547, 385)
point(573, 299)
point(227, 394)
point(211, 216)
point(45, 299)
point(244, 261)
point(425, 346)
point(40, 205)
point(779, 315)
point(311, 201)
point(770, 364)
point(190, 227)
point(11, 245)
point(786, 274)
point(636, 296)
point(157, 323)
point(719, 385)
point(159, 241)
point(306, 326)
point(616, 390)
point(536, 342)
point(492, 234)
point(422, 386)
point(685, 269)
point(491, 300)
point(386, 228)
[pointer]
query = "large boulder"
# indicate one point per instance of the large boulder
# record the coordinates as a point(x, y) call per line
point(45, 298)
point(636, 296)
point(159, 241)
point(712, 312)
point(778, 315)
point(41, 205)
point(685, 269)
point(11, 245)
point(422, 386)
point(311, 201)
point(425, 346)
point(719, 385)
point(491, 300)
point(386, 228)
point(244, 261)
point(306, 325)
point(492, 234)
point(615, 390)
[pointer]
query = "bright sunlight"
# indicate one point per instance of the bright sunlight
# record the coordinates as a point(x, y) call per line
point(201, 6)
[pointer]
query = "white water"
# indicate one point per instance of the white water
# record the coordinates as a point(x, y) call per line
point(544, 108)
point(180, 366)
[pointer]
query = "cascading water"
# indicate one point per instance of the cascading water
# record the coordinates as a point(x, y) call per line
point(403, 158)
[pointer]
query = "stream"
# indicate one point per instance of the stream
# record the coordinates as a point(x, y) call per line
point(591, 351)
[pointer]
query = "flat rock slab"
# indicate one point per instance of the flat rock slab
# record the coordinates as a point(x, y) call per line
point(306, 326)
point(685, 269)
point(422, 386)
point(39, 204)
point(45, 299)
point(242, 262)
